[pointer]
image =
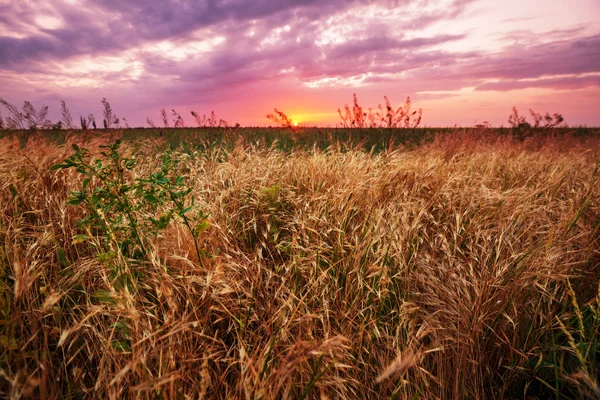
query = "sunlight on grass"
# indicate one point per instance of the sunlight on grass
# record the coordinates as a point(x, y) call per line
point(463, 267)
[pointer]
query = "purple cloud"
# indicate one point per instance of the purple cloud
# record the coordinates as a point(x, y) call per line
point(574, 56)
point(560, 83)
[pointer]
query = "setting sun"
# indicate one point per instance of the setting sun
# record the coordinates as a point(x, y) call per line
point(295, 123)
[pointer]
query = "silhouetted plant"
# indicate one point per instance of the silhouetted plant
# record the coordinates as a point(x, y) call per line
point(281, 119)
point(386, 117)
point(150, 123)
point(109, 118)
point(547, 120)
point(92, 121)
point(212, 121)
point(400, 117)
point(199, 121)
point(353, 117)
point(517, 121)
point(36, 119)
point(15, 119)
point(83, 122)
point(66, 120)
point(165, 120)
point(521, 128)
point(29, 117)
point(177, 120)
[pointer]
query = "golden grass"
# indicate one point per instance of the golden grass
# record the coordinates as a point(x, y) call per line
point(452, 270)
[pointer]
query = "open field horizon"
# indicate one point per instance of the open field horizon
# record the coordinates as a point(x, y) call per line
point(257, 118)
point(303, 138)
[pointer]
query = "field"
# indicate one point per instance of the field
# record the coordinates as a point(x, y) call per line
point(258, 264)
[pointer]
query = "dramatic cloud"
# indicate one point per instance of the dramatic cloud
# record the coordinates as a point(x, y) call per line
point(559, 83)
point(244, 57)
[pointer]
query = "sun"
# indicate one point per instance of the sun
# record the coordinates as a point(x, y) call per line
point(295, 123)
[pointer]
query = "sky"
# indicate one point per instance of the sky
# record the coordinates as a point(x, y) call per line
point(462, 61)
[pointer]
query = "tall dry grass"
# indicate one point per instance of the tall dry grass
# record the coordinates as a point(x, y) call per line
point(466, 268)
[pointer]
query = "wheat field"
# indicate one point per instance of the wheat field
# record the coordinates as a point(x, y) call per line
point(463, 268)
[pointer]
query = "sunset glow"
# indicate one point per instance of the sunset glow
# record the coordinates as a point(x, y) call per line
point(461, 61)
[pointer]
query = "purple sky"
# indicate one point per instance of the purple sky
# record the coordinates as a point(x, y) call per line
point(462, 61)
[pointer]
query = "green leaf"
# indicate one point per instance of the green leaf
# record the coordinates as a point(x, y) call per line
point(60, 253)
point(122, 345)
point(75, 201)
point(86, 182)
point(104, 296)
point(185, 211)
point(162, 222)
point(76, 148)
point(59, 166)
point(129, 164)
point(9, 343)
point(79, 239)
point(150, 198)
point(123, 328)
point(201, 227)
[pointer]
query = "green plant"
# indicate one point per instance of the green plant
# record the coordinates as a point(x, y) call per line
point(570, 366)
point(123, 211)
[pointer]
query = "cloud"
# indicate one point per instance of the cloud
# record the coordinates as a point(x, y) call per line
point(385, 44)
point(573, 56)
point(556, 83)
point(111, 26)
